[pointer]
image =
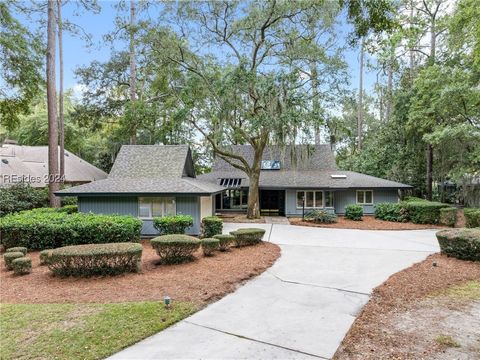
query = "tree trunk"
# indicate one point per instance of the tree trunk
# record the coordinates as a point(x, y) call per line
point(429, 154)
point(133, 68)
point(61, 120)
point(253, 205)
point(388, 110)
point(360, 100)
point(53, 184)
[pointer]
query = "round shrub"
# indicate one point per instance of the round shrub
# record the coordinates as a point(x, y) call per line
point(47, 229)
point(225, 241)
point(21, 249)
point(176, 224)
point(354, 212)
point(22, 266)
point(44, 255)
point(321, 216)
point(210, 245)
point(472, 217)
point(460, 243)
point(175, 248)
point(10, 256)
point(247, 236)
point(211, 226)
point(448, 216)
point(95, 259)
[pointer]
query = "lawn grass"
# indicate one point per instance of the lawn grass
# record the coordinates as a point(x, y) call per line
point(467, 290)
point(81, 331)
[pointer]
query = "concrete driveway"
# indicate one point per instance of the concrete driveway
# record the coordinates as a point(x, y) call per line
point(300, 308)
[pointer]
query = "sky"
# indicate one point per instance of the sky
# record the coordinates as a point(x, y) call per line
point(77, 54)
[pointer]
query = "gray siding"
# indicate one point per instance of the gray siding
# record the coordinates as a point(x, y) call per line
point(188, 205)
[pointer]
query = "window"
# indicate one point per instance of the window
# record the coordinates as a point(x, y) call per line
point(365, 197)
point(329, 199)
point(313, 199)
point(149, 207)
point(232, 199)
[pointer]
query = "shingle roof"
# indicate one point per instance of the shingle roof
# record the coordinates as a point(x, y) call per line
point(149, 169)
point(32, 162)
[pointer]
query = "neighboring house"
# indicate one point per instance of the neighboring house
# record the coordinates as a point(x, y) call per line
point(298, 179)
point(149, 181)
point(29, 164)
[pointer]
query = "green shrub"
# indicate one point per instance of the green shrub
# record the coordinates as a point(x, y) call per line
point(210, 245)
point(22, 266)
point(225, 241)
point(21, 249)
point(175, 224)
point(472, 217)
point(247, 236)
point(44, 256)
point(354, 212)
point(211, 226)
point(321, 216)
point(69, 209)
point(69, 200)
point(389, 212)
point(448, 216)
point(21, 197)
point(95, 259)
point(175, 248)
point(460, 243)
point(413, 199)
point(10, 256)
point(423, 212)
point(47, 229)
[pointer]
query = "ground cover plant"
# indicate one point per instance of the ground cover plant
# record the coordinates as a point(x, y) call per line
point(247, 236)
point(354, 212)
point(321, 216)
point(175, 248)
point(40, 229)
point(175, 224)
point(95, 259)
point(460, 243)
point(211, 226)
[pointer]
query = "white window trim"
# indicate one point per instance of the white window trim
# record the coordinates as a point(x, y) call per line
point(363, 203)
point(150, 216)
point(314, 199)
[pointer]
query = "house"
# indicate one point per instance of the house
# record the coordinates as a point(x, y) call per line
point(149, 181)
point(29, 164)
point(297, 179)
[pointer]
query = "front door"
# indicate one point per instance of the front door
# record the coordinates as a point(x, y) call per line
point(272, 202)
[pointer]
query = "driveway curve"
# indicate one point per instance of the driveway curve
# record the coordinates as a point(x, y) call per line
point(300, 308)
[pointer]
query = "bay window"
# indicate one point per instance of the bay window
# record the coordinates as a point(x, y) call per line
point(149, 207)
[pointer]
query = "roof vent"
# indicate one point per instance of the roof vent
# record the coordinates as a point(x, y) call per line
point(5, 161)
point(338, 176)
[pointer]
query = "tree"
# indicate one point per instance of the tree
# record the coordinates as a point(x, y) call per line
point(61, 120)
point(133, 66)
point(360, 99)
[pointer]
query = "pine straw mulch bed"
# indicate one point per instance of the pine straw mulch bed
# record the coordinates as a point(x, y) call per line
point(408, 313)
point(202, 281)
point(241, 218)
point(368, 223)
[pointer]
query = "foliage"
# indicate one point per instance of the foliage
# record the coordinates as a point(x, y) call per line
point(20, 197)
point(44, 256)
point(423, 212)
point(389, 212)
point(463, 244)
point(69, 209)
point(354, 212)
point(211, 225)
point(8, 257)
point(21, 249)
point(22, 266)
point(175, 224)
point(448, 216)
point(210, 245)
point(46, 229)
point(247, 236)
point(225, 241)
point(95, 259)
point(472, 217)
point(175, 248)
point(321, 216)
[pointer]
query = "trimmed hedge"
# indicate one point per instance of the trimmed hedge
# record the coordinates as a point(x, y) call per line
point(22, 266)
point(448, 216)
point(225, 241)
point(210, 245)
point(460, 243)
point(472, 217)
point(10, 256)
point(46, 229)
point(175, 248)
point(44, 256)
point(175, 224)
point(354, 212)
point(390, 212)
point(321, 216)
point(69, 209)
point(211, 226)
point(18, 249)
point(247, 236)
point(96, 259)
point(423, 212)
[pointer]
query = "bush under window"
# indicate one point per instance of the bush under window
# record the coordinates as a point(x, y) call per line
point(354, 212)
point(247, 236)
point(210, 245)
point(95, 259)
point(225, 241)
point(211, 226)
point(321, 216)
point(175, 224)
point(46, 229)
point(22, 266)
point(460, 243)
point(448, 216)
point(472, 217)
point(389, 212)
point(175, 248)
